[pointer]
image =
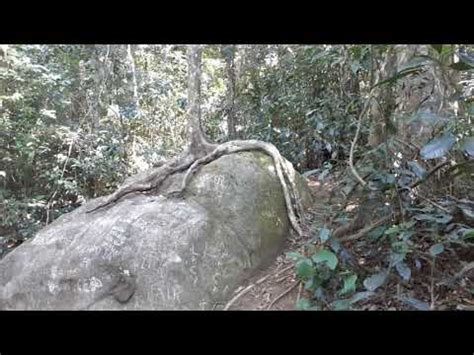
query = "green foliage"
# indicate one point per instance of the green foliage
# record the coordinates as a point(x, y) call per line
point(375, 281)
point(396, 172)
point(70, 127)
point(298, 103)
point(318, 271)
point(324, 234)
point(349, 284)
point(436, 249)
point(438, 148)
point(403, 270)
point(76, 120)
point(416, 304)
point(327, 257)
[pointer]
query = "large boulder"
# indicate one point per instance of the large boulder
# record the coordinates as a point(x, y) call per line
point(154, 252)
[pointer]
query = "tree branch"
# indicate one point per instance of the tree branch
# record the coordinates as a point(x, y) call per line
point(354, 141)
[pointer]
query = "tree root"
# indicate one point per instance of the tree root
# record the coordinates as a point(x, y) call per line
point(283, 294)
point(152, 181)
point(192, 162)
point(287, 181)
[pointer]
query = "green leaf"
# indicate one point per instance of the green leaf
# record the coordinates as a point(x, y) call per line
point(340, 305)
point(417, 169)
point(468, 146)
point(359, 296)
point(375, 281)
point(403, 270)
point(392, 230)
point(295, 256)
point(468, 234)
point(304, 269)
point(441, 218)
point(438, 147)
point(319, 294)
point(324, 234)
point(326, 256)
point(335, 245)
point(303, 304)
point(396, 258)
point(349, 284)
point(436, 249)
point(310, 284)
point(377, 232)
point(417, 304)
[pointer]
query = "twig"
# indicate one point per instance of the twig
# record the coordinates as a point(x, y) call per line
point(402, 210)
point(285, 269)
point(299, 292)
point(457, 276)
point(432, 305)
point(281, 279)
point(431, 172)
point(283, 294)
point(366, 229)
point(455, 166)
point(262, 279)
point(240, 294)
point(433, 203)
point(408, 144)
point(244, 291)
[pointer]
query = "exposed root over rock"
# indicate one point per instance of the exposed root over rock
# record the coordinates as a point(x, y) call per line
point(192, 161)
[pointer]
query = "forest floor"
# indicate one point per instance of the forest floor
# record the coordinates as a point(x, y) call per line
point(276, 287)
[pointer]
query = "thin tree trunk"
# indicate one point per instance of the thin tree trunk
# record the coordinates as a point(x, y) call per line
point(198, 140)
point(131, 61)
point(94, 100)
point(384, 105)
point(229, 55)
point(3, 64)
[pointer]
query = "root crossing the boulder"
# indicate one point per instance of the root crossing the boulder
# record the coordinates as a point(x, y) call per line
point(192, 161)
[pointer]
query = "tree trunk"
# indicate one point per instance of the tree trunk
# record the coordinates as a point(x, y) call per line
point(94, 99)
point(199, 144)
point(384, 105)
point(229, 55)
point(3, 64)
point(134, 83)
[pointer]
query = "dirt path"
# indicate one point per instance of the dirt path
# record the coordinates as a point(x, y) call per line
point(276, 287)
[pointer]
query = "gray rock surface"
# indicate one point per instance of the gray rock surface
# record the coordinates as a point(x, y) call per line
point(151, 252)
